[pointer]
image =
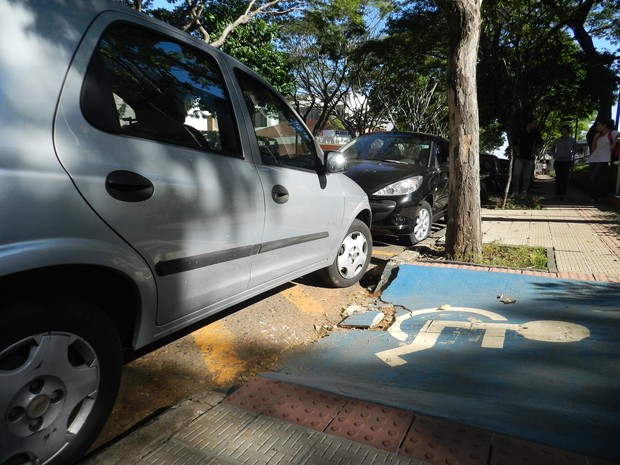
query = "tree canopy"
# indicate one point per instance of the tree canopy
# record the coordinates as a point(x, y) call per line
point(325, 47)
point(382, 63)
point(245, 30)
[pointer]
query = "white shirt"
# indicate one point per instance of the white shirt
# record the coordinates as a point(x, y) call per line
point(602, 152)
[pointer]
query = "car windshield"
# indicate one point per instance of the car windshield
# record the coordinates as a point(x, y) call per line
point(413, 149)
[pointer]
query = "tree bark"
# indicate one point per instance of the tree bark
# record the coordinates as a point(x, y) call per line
point(464, 231)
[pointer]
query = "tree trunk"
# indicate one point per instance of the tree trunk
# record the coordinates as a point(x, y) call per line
point(464, 232)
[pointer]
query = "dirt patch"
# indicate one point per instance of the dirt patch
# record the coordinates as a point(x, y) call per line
point(233, 350)
point(228, 353)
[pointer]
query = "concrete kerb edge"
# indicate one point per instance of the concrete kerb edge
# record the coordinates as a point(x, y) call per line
point(409, 257)
point(390, 271)
point(551, 263)
point(413, 258)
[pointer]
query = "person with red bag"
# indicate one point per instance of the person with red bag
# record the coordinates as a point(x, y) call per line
point(615, 148)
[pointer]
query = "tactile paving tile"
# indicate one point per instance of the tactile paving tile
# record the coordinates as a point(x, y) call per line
point(539, 235)
point(258, 395)
point(571, 261)
point(378, 426)
point(578, 238)
point(513, 451)
point(563, 241)
point(606, 264)
point(439, 442)
point(418, 439)
point(306, 407)
point(597, 263)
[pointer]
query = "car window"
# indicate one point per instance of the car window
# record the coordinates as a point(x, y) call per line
point(400, 148)
point(282, 138)
point(146, 85)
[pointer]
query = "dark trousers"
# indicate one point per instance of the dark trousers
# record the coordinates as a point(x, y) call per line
point(562, 173)
point(597, 188)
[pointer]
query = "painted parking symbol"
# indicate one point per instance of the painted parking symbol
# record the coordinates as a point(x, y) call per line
point(494, 331)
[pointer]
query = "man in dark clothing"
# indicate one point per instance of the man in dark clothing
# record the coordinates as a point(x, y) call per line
point(527, 143)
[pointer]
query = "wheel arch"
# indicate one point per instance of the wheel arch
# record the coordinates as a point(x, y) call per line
point(111, 291)
point(430, 199)
point(365, 216)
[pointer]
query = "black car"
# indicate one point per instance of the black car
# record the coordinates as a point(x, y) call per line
point(493, 176)
point(405, 175)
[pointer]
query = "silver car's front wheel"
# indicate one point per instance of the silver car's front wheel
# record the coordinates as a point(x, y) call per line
point(59, 373)
point(353, 257)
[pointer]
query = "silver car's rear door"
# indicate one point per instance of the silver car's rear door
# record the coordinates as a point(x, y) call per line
point(150, 140)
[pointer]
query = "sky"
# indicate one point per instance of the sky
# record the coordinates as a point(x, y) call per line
point(161, 4)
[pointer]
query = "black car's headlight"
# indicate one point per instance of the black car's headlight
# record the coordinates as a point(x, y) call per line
point(405, 186)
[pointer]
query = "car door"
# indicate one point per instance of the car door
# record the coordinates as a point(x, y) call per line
point(440, 165)
point(150, 141)
point(303, 207)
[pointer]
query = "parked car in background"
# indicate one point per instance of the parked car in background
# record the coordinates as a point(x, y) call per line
point(148, 182)
point(405, 175)
point(493, 176)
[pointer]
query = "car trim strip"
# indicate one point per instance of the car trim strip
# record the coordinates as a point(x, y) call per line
point(281, 243)
point(180, 265)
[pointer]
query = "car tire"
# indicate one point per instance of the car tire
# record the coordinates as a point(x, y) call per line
point(60, 369)
point(423, 223)
point(353, 257)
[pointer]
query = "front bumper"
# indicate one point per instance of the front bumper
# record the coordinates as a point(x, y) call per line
point(393, 218)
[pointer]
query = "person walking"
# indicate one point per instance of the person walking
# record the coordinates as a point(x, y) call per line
point(563, 152)
point(603, 143)
point(528, 142)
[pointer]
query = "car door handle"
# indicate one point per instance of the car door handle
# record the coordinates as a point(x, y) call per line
point(279, 194)
point(128, 186)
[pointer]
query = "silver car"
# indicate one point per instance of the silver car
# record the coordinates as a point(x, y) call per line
point(147, 181)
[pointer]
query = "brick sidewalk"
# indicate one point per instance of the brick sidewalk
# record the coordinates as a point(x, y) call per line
point(584, 238)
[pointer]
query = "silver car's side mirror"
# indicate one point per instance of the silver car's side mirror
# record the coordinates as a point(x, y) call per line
point(335, 162)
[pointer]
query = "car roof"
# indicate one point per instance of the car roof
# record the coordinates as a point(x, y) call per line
point(405, 133)
point(51, 32)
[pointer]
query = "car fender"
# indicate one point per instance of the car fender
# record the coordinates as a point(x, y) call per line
point(356, 205)
point(40, 254)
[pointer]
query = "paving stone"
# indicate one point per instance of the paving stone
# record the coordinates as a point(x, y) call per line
point(440, 442)
point(362, 320)
point(257, 395)
point(307, 407)
point(513, 451)
point(380, 426)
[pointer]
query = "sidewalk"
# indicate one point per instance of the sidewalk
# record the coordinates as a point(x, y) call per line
point(273, 422)
point(583, 238)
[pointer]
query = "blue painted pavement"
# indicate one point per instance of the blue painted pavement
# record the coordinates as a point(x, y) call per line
point(545, 368)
